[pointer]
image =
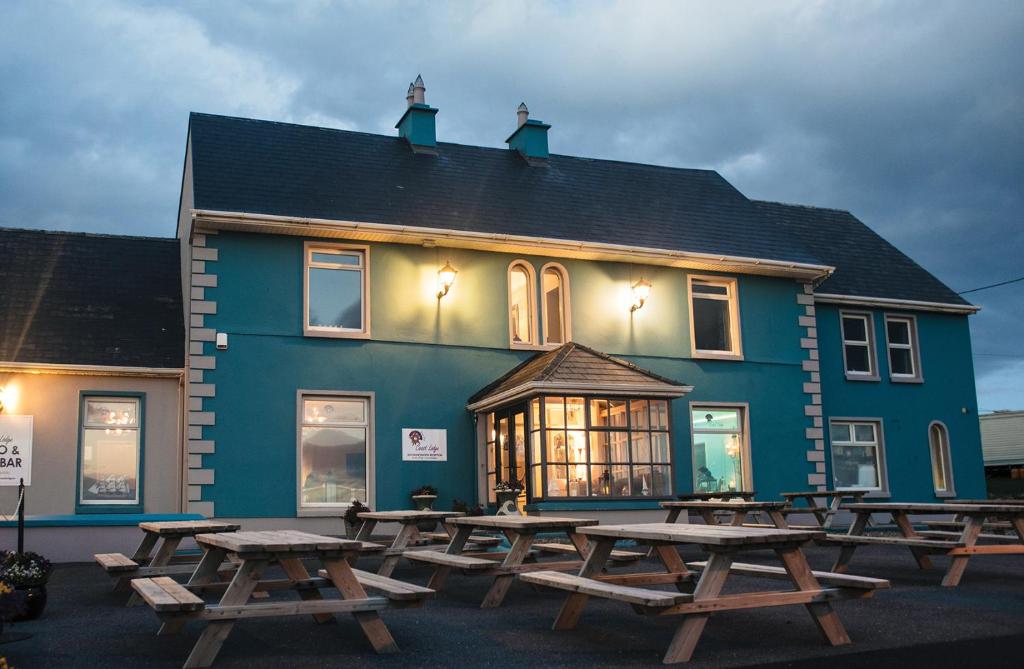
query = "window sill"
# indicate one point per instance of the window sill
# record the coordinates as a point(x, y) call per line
point(862, 377)
point(331, 334)
point(532, 347)
point(107, 508)
point(322, 512)
point(945, 495)
point(712, 355)
point(905, 379)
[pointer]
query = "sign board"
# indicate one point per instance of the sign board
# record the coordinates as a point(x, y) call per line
point(424, 444)
point(15, 449)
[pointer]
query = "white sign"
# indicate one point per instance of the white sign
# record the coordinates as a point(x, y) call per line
point(15, 450)
point(424, 444)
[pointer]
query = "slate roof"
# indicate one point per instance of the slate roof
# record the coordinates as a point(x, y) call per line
point(244, 165)
point(573, 364)
point(866, 264)
point(88, 299)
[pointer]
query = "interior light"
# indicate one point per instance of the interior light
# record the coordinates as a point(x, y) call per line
point(445, 279)
point(641, 291)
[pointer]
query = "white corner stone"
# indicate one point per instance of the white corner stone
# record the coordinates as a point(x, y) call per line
point(204, 254)
point(202, 508)
point(200, 446)
point(200, 477)
point(202, 362)
point(196, 320)
point(202, 418)
point(204, 280)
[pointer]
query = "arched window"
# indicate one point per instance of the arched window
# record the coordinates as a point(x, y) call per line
point(554, 283)
point(521, 291)
point(942, 467)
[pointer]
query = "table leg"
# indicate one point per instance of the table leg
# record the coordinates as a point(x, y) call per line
point(738, 518)
point(708, 586)
point(673, 515)
point(673, 562)
point(455, 546)
point(778, 519)
point(903, 522)
point(795, 562)
point(600, 549)
point(373, 627)
point(520, 549)
point(405, 535)
point(207, 571)
point(833, 509)
point(581, 543)
point(296, 571)
point(161, 559)
point(969, 537)
point(210, 641)
point(846, 551)
point(709, 517)
point(141, 553)
point(364, 531)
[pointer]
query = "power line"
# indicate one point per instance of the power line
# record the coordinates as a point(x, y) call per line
point(994, 285)
point(1001, 355)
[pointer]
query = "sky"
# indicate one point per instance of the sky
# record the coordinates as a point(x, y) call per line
point(909, 114)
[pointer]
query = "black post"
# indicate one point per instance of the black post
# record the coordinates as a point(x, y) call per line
point(21, 516)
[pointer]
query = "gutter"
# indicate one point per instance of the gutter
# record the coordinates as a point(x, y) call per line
point(91, 370)
point(615, 390)
point(886, 302)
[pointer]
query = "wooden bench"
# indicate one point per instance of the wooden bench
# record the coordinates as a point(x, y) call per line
point(959, 524)
point(477, 539)
point(450, 560)
point(165, 595)
point(955, 536)
point(616, 555)
point(586, 586)
point(824, 577)
point(407, 594)
point(116, 563)
point(852, 540)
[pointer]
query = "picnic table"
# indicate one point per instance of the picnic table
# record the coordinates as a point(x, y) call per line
point(520, 531)
point(824, 515)
point(815, 590)
point(164, 536)
point(957, 522)
point(254, 552)
point(736, 510)
point(960, 546)
point(747, 495)
point(408, 534)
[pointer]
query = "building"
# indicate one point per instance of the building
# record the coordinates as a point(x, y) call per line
point(92, 347)
point(1002, 439)
point(367, 314)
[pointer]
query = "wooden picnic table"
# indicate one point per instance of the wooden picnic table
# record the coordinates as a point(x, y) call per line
point(823, 514)
point(815, 590)
point(408, 534)
point(747, 495)
point(960, 546)
point(176, 604)
point(737, 508)
point(520, 531)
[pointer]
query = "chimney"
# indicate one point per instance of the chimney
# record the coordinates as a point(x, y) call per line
point(417, 123)
point(530, 138)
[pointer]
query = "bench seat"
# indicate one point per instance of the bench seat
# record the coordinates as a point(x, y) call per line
point(850, 540)
point(478, 539)
point(449, 560)
point(942, 534)
point(616, 555)
point(811, 528)
point(389, 587)
point(371, 547)
point(623, 593)
point(116, 562)
point(959, 524)
point(165, 595)
point(824, 577)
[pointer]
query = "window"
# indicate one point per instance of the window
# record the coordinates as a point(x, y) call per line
point(521, 291)
point(901, 340)
point(714, 318)
point(942, 467)
point(110, 462)
point(334, 450)
point(555, 304)
point(720, 453)
point(336, 287)
point(858, 346)
point(857, 458)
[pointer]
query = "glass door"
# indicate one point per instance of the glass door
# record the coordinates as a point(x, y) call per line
point(507, 452)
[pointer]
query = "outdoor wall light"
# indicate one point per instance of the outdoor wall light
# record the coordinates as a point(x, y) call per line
point(445, 279)
point(8, 398)
point(641, 291)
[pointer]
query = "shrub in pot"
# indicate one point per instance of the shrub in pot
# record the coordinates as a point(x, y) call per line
point(352, 520)
point(27, 573)
point(424, 498)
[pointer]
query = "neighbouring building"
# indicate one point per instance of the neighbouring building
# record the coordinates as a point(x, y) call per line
point(1002, 445)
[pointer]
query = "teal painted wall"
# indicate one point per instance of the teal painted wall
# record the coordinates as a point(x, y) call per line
point(907, 409)
point(427, 357)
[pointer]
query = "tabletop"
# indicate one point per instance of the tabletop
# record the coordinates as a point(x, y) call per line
point(925, 508)
point(277, 541)
point(736, 505)
point(521, 523)
point(713, 535)
point(399, 516)
point(824, 493)
point(188, 526)
point(708, 496)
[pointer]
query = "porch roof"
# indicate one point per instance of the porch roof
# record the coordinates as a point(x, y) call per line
point(573, 368)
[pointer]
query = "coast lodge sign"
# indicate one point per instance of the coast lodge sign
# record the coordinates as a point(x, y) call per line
point(15, 450)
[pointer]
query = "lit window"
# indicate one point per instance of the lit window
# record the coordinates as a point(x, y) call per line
point(858, 346)
point(521, 289)
point(720, 458)
point(857, 458)
point(336, 304)
point(111, 455)
point(942, 468)
point(901, 340)
point(555, 291)
point(714, 318)
point(333, 450)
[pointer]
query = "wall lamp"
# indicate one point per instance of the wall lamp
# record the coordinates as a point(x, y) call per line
point(641, 291)
point(445, 279)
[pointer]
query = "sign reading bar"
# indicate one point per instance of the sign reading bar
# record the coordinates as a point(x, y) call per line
point(15, 450)
point(424, 444)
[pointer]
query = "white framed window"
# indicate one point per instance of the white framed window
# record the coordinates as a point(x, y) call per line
point(942, 465)
point(858, 332)
point(522, 320)
point(901, 342)
point(721, 448)
point(336, 288)
point(110, 461)
point(335, 450)
point(555, 315)
point(714, 318)
point(858, 455)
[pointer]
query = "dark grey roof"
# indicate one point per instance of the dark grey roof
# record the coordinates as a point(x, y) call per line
point(242, 165)
point(866, 264)
point(573, 364)
point(86, 299)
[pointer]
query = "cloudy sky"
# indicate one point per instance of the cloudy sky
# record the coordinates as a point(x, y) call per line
point(909, 114)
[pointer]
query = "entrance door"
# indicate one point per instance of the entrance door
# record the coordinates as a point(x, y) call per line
point(510, 446)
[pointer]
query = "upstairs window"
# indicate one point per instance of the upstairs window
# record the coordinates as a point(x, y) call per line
point(554, 304)
point(859, 346)
point(335, 288)
point(901, 341)
point(942, 468)
point(714, 318)
point(521, 289)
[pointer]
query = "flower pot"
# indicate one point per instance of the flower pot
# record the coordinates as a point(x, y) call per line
point(351, 529)
point(33, 602)
point(425, 503)
point(503, 496)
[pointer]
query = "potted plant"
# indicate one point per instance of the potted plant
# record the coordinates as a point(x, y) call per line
point(11, 604)
point(27, 573)
point(424, 497)
point(352, 520)
point(507, 491)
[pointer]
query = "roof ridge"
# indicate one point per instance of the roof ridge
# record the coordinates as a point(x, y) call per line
point(79, 233)
point(627, 364)
point(803, 206)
